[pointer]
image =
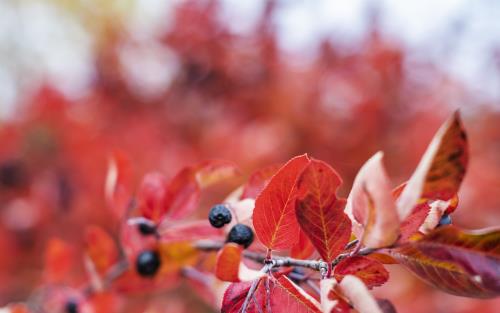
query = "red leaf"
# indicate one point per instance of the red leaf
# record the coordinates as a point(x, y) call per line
point(441, 169)
point(229, 266)
point(303, 249)
point(287, 297)
point(151, 195)
point(100, 248)
point(371, 206)
point(371, 272)
point(284, 297)
point(412, 223)
point(258, 180)
point(183, 194)
point(235, 296)
point(274, 214)
point(319, 212)
point(461, 263)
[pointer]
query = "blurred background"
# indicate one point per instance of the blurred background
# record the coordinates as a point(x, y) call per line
point(254, 82)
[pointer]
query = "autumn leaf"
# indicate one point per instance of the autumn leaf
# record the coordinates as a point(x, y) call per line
point(258, 180)
point(458, 262)
point(441, 170)
point(100, 248)
point(370, 271)
point(182, 195)
point(274, 214)
point(230, 266)
point(176, 255)
point(371, 206)
point(303, 249)
point(151, 195)
point(278, 295)
point(319, 212)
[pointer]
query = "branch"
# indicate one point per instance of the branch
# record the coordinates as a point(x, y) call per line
point(278, 261)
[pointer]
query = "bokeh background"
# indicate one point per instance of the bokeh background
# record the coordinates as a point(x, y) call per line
point(254, 82)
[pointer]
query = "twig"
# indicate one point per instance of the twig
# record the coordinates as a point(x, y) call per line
point(278, 261)
point(251, 291)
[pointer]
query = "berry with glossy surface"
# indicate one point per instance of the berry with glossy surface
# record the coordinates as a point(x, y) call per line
point(219, 216)
point(12, 174)
point(146, 229)
point(71, 307)
point(445, 220)
point(241, 234)
point(147, 263)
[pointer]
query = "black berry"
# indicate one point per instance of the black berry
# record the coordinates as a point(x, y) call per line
point(71, 307)
point(146, 228)
point(219, 216)
point(445, 220)
point(12, 174)
point(147, 263)
point(241, 234)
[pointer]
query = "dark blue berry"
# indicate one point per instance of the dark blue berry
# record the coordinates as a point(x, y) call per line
point(219, 216)
point(146, 228)
point(445, 220)
point(71, 307)
point(147, 263)
point(12, 174)
point(241, 234)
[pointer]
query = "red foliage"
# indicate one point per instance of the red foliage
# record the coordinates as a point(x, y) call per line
point(93, 170)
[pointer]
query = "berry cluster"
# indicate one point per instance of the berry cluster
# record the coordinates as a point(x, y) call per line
point(241, 234)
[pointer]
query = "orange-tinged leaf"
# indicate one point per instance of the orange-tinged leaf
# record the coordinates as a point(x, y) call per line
point(274, 214)
point(319, 212)
point(59, 260)
point(441, 169)
point(100, 248)
point(258, 180)
point(371, 206)
point(458, 262)
point(211, 172)
point(370, 271)
point(229, 266)
point(175, 255)
point(283, 297)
